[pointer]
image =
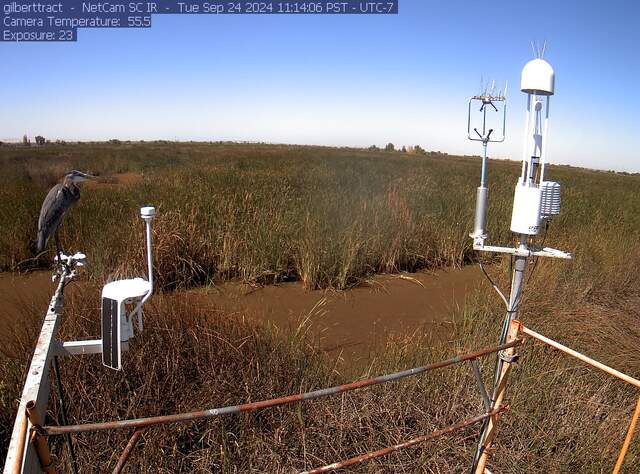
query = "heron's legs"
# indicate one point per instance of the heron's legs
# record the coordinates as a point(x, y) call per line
point(58, 249)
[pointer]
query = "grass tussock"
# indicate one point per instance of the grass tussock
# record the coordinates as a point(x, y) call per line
point(329, 218)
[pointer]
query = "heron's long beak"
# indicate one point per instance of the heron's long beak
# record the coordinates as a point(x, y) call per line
point(80, 176)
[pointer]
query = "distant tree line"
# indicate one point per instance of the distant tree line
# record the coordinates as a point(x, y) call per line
point(390, 147)
point(39, 139)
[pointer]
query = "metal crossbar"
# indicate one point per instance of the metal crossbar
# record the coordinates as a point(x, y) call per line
point(274, 402)
point(598, 365)
point(407, 444)
point(592, 362)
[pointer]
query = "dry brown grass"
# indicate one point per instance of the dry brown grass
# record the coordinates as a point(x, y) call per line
point(564, 417)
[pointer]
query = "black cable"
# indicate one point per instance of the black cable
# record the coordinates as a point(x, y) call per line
point(495, 287)
point(63, 415)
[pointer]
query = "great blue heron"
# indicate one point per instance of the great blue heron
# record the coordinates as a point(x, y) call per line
point(60, 198)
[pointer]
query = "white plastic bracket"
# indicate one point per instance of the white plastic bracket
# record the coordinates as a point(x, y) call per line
point(92, 346)
point(539, 252)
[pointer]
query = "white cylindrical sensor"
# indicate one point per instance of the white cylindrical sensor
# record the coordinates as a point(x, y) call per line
point(525, 218)
point(148, 212)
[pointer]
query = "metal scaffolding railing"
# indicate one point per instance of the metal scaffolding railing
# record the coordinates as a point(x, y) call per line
point(520, 328)
point(274, 402)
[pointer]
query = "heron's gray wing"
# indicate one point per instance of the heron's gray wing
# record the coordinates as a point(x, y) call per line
point(53, 208)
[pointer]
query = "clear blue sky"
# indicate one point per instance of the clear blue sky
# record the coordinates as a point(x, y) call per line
point(338, 80)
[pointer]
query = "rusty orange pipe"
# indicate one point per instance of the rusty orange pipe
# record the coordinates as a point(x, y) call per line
point(588, 360)
point(124, 457)
point(627, 440)
point(40, 442)
point(22, 441)
point(406, 444)
point(605, 368)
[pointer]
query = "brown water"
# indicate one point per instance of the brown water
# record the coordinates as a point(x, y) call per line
point(352, 324)
point(21, 291)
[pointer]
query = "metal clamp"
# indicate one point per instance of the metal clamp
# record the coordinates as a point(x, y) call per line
point(507, 358)
point(38, 430)
point(67, 267)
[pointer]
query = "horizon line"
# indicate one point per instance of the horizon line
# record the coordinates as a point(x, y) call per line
point(19, 143)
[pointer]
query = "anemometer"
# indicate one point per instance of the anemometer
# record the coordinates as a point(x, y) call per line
point(491, 103)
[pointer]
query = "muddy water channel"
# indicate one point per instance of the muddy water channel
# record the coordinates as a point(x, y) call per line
point(351, 324)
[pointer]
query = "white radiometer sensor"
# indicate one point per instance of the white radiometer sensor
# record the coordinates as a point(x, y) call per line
point(538, 78)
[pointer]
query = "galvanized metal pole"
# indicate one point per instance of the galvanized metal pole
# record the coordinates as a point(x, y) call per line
point(22, 454)
point(515, 298)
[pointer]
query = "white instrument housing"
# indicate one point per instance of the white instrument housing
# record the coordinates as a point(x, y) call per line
point(525, 217)
point(117, 322)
